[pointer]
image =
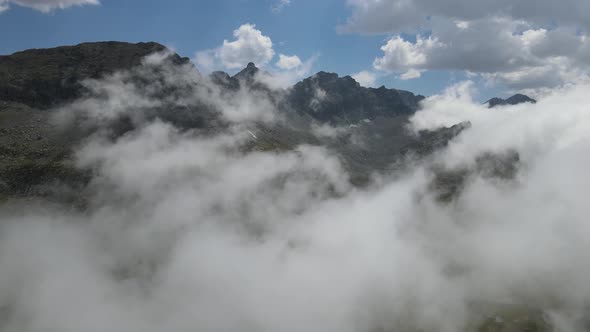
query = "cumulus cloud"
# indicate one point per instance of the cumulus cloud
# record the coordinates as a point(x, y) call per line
point(288, 62)
point(365, 78)
point(504, 51)
point(403, 55)
point(46, 6)
point(504, 42)
point(250, 45)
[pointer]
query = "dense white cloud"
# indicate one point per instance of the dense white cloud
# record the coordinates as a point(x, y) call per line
point(365, 78)
point(401, 54)
point(288, 62)
point(46, 6)
point(250, 45)
point(186, 231)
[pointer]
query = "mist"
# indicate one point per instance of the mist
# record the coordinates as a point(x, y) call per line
point(183, 229)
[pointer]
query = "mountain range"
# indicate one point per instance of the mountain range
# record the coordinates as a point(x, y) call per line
point(324, 109)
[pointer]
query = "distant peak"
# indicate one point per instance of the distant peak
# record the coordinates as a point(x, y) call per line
point(248, 73)
point(326, 74)
point(514, 100)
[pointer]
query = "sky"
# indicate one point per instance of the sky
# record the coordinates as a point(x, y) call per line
point(503, 46)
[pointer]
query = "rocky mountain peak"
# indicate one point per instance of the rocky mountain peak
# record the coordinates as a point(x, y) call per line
point(247, 73)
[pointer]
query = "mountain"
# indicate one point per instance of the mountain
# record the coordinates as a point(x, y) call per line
point(368, 126)
point(514, 100)
point(328, 98)
point(247, 74)
point(46, 77)
point(341, 100)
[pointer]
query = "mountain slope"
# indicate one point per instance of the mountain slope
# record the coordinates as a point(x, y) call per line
point(46, 77)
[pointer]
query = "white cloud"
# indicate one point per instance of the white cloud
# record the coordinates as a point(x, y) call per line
point(279, 5)
point(250, 45)
point(285, 78)
point(46, 6)
point(462, 24)
point(288, 62)
point(400, 54)
point(500, 50)
point(503, 41)
point(411, 74)
point(365, 78)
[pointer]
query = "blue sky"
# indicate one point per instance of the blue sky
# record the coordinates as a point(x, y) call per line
point(304, 28)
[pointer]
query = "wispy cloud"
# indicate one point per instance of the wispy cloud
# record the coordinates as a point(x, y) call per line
point(279, 5)
point(46, 6)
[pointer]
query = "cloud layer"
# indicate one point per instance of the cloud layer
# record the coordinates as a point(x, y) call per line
point(185, 230)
